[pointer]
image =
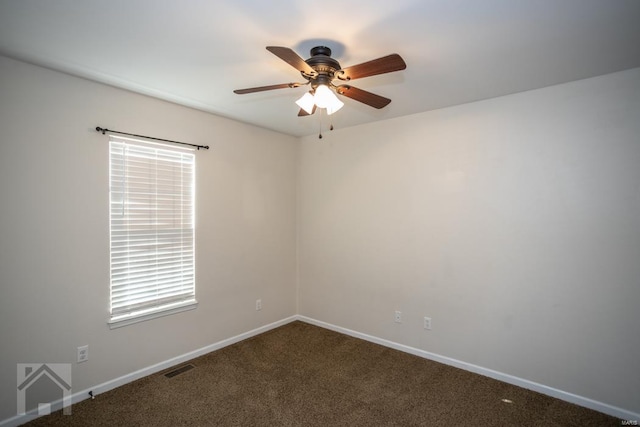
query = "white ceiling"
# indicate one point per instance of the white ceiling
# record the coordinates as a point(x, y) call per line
point(196, 52)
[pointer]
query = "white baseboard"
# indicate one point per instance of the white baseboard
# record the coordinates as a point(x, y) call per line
point(150, 370)
point(620, 413)
point(510, 379)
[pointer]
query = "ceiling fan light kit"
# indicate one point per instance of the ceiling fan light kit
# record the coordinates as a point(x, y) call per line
point(320, 71)
point(322, 97)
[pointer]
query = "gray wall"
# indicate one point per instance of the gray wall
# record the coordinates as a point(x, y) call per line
point(514, 223)
point(54, 228)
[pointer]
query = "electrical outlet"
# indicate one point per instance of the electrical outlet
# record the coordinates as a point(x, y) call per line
point(427, 323)
point(258, 304)
point(83, 353)
point(398, 317)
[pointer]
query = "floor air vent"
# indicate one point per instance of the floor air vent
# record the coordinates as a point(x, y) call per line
point(179, 371)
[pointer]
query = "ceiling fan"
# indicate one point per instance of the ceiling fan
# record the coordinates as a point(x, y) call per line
point(320, 70)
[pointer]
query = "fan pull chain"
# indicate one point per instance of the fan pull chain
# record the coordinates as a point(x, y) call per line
point(320, 127)
point(320, 130)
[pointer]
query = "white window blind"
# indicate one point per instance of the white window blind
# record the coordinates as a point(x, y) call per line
point(152, 229)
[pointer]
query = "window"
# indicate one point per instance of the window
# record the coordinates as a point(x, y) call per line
point(151, 199)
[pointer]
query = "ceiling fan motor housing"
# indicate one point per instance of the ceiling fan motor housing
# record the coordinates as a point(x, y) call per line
point(322, 62)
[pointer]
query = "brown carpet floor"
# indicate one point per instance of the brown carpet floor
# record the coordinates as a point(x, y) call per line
point(303, 375)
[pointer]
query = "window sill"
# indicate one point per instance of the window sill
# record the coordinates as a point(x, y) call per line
point(130, 320)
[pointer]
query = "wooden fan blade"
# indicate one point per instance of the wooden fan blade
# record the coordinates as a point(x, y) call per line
point(291, 58)
point(263, 88)
point(371, 99)
point(303, 113)
point(386, 64)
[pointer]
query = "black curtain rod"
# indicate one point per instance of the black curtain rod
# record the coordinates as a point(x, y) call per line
point(103, 130)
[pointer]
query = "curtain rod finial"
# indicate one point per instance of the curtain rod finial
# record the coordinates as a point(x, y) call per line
point(99, 129)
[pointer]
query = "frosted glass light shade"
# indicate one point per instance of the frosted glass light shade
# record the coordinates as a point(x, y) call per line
point(306, 102)
point(334, 106)
point(324, 96)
